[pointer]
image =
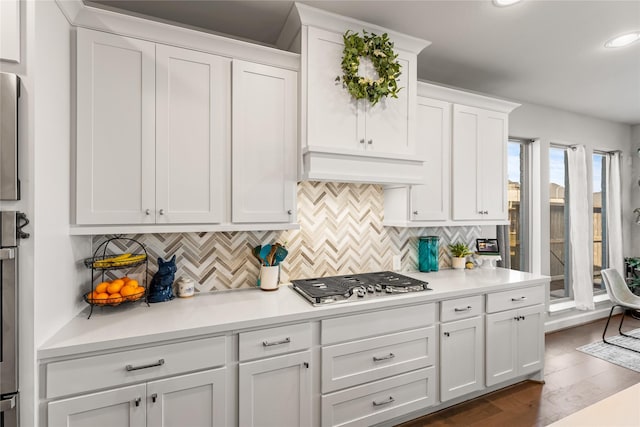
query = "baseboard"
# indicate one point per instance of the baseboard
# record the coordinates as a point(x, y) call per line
point(575, 318)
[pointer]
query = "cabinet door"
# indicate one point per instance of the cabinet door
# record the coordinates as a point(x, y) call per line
point(530, 340)
point(430, 201)
point(390, 124)
point(332, 113)
point(197, 400)
point(192, 135)
point(10, 30)
point(466, 185)
point(124, 406)
point(275, 391)
point(494, 135)
point(115, 152)
point(461, 357)
point(264, 143)
point(502, 357)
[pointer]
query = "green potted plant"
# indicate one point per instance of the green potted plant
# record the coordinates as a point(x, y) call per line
point(633, 279)
point(459, 252)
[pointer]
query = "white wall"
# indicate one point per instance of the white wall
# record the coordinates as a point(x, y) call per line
point(635, 189)
point(550, 125)
point(60, 277)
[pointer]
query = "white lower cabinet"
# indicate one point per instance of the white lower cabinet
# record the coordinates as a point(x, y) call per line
point(461, 357)
point(275, 391)
point(380, 400)
point(515, 343)
point(377, 366)
point(196, 400)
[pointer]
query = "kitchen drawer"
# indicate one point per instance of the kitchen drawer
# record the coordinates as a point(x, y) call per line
point(515, 298)
point(126, 367)
point(461, 308)
point(339, 329)
point(274, 341)
point(357, 362)
point(381, 400)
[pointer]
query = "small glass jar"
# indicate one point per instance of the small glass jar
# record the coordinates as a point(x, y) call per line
point(428, 253)
point(185, 287)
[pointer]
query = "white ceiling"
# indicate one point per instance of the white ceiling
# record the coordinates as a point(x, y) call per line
point(548, 52)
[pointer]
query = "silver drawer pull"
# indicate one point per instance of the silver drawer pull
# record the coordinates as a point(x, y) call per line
point(287, 340)
point(150, 365)
point(457, 310)
point(387, 357)
point(518, 299)
point(7, 404)
point(384, 402)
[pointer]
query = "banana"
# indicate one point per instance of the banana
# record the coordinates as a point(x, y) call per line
point(120, 260)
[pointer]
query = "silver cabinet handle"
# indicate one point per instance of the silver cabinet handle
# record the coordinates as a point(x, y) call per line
point(415, 212)
point(480, 212)
point(390, 399)
point(7, 253)
point(370, 141)
point(467, 308)
point(289, 212)
point(160, 362)
point(161, 212)
point(446, 334)
point(154, 397)
point(518, 299)
point(306, 365)
point(7, 404)
point(362, 141)
point(147, 211)
point(387, 357)
point(287, 340)
point(137, 401)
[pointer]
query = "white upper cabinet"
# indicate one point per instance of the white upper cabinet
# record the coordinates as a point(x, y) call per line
point(264, 143)
point(344, 139)
point(115, 174)
point(154, 139)
point(356, 126)
point(465, 139)
point(192, 134)
point(479, 164)
point(153, 131)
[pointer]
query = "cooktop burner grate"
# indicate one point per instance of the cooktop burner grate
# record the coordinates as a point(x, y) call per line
point(332, 289)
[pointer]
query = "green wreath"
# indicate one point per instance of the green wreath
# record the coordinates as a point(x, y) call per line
point(379, 49)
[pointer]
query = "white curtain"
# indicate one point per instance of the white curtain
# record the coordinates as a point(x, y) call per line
point(614, 212)
point(581, 272)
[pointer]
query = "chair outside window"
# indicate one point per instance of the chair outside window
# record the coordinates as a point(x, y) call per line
point(620, 296)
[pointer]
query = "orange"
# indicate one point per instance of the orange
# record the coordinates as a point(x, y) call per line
point(101, 298)
point(125, 279)
point(115, 286)
point(138, 294)
point(115, 299)
point(133, 283)
point(102, 287)
point(128, 292)
point(91, 295)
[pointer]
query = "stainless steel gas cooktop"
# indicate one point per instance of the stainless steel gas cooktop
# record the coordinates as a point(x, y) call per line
point(352, 287)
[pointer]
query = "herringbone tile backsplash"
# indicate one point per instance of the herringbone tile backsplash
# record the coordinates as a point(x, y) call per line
point(340, 232)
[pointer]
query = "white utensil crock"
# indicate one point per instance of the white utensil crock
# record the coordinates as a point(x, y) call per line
point(269, 277)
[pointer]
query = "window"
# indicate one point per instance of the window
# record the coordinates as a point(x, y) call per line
point(558, 224)
point(518, 190)
point(600, 251)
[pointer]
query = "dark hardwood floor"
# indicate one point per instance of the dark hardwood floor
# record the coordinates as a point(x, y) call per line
point(573, 380)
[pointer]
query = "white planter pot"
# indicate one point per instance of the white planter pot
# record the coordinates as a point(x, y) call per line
point(458, 263)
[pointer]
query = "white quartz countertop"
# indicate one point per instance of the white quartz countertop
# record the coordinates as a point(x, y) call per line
point(228, 311)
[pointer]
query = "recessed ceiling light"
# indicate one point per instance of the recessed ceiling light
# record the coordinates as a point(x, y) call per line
point(623, 40)
point(503, 3)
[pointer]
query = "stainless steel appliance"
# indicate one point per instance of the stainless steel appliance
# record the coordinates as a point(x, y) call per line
point(355, 287)
point(11, 224)
point(9, 94)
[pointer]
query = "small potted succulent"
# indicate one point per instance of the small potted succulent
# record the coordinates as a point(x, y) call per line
point(459, 252)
